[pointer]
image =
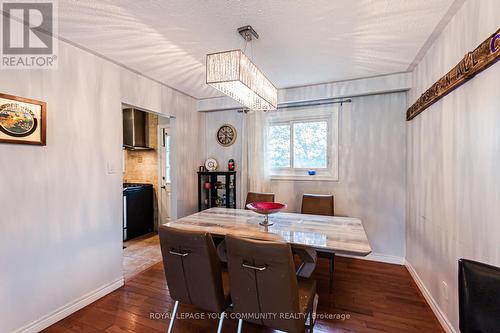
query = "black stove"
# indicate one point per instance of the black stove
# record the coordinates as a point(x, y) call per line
point(128, 185)
point(138, 209)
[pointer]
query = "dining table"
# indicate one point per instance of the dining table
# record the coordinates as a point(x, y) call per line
point(307, 234)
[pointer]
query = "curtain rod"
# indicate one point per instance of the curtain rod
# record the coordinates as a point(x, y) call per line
point(306, 103)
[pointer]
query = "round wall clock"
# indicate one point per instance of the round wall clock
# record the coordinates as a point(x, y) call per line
point(226, 135)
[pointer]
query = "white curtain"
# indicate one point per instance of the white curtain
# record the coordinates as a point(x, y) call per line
point(254, 168)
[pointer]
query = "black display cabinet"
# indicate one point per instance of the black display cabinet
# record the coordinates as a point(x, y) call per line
point(216, 189)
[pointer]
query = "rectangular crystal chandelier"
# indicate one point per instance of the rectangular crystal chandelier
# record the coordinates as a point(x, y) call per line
point(234, 74)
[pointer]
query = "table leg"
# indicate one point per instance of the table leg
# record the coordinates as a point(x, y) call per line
point(309, 259)
point(332, 267)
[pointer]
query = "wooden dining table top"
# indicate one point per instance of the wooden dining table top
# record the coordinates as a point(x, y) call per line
point(324, 233)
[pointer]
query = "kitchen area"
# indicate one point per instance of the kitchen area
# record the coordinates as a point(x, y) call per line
point(146, 187)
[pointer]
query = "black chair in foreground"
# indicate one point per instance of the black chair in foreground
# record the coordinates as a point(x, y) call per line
point(479, 297)
point(263, 283)
point(193, 271)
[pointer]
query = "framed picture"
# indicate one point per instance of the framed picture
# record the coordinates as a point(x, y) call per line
point(22, 120)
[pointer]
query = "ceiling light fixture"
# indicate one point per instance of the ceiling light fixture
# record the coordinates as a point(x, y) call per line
point(234, 74)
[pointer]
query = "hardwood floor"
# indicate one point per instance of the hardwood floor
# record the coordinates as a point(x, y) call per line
point(375, 297)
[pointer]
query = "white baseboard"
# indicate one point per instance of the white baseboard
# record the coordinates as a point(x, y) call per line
point(379, 257)
point(70, 308)
point(430, 300)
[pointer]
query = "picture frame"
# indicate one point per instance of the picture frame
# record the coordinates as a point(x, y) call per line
point(22, 120)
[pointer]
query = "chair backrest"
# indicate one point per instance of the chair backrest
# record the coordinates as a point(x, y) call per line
point(192, 268)
point(263, 281)
point(259, 197)
point(479, 297)
point(317, 204)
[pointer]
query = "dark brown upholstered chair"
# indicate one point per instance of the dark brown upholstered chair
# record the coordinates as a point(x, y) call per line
point(263, 281)
point(259, 197)
point(193, 271)
point(317, 204)
point(321, 204)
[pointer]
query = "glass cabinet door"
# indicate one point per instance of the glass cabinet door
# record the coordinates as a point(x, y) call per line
point(216, 189)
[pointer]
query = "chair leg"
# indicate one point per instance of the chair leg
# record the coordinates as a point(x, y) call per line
point(311, 317)
point(332, 266)
point(221, 321)
point(240, 325)
point(174, 313)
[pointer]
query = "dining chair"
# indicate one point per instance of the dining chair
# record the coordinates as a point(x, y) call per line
point(321, 204)
point(317, 204)
point(263, 283)
point(193, 272)
point(259, 197)
point(478, 298)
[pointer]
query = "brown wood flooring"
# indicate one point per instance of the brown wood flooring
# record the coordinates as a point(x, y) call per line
point(377, 297)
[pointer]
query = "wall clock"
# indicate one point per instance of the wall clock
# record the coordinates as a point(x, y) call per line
point(226, 135)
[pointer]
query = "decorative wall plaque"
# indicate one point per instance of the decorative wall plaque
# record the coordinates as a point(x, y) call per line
point(22, 120)
point(485, 55)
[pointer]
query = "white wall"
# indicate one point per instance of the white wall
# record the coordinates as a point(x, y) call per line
point(372, 171)
point(453, 162)
point(213, 121)
point(60, 220)
point(372, 168)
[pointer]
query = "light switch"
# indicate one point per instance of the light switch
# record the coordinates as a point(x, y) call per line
point(111, 168)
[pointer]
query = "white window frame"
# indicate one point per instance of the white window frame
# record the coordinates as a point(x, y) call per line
point(328, 113)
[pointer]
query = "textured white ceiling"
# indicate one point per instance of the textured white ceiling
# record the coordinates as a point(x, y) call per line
point(302, 41)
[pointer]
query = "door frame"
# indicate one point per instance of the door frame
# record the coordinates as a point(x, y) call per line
point(173, 207)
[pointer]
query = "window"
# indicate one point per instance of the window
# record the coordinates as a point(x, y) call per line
point(278, 137)
point(299, 141)
point(310, 142)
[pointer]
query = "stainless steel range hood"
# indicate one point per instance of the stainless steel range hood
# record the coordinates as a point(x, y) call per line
point(135, 129)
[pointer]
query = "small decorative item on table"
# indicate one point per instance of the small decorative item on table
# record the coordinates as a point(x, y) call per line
point(230, 165)
point(211, 164)
point(311, 172)
point(266, 208)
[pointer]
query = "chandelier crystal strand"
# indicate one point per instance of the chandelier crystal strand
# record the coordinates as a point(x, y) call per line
point(234, 74)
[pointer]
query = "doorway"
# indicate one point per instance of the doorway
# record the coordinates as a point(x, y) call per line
point(165, 172)
point(148, 185)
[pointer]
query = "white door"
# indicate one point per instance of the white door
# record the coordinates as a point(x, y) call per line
point(165, 176)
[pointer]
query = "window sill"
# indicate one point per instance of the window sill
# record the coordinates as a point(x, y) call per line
point(315, 178)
